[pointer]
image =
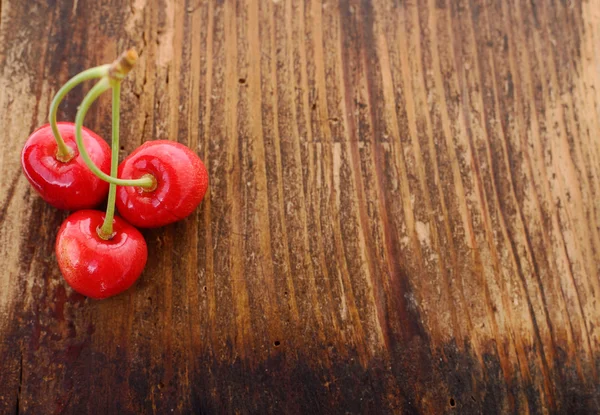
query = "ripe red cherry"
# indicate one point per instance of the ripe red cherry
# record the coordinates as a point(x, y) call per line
point(69, 185)
point(96, 267)
point(181, 183)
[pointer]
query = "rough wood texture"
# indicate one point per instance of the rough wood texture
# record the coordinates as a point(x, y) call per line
point(404, 212)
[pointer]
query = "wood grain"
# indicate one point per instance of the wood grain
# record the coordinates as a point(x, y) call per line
point(403, 214)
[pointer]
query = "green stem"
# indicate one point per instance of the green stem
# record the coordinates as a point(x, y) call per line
point(65, 154)
point(95, 92)
point(106, 231)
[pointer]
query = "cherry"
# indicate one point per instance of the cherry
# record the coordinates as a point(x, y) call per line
point(65, 184)
point(180, 181)
point(98, 267)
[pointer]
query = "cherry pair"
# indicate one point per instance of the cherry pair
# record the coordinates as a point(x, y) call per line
point(72, 168)
point(177, 178)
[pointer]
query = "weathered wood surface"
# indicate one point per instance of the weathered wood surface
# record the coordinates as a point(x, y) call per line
point(404, 211)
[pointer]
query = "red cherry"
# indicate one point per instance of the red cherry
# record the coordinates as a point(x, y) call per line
point(181, 183)
point(69, 185)
point(96, 267)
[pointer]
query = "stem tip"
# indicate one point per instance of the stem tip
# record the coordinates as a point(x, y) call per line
point(130, 57)
point(123, 64)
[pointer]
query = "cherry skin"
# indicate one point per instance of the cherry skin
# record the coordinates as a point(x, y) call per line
point(181, 183)
point(70, 185)
point(96, 267)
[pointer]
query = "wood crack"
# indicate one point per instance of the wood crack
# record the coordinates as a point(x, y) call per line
point(10, 194)
point(18, 402)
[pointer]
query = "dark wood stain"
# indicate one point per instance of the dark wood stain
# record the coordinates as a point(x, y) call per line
point(402, 218)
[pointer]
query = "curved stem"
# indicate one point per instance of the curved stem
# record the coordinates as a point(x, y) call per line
point(94, 93)
point(64, 154)
point(106, 231)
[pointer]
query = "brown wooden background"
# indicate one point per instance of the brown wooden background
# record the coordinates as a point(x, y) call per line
point(404, 211)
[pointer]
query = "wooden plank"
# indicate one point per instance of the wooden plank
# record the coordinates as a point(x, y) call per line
point(403, 214)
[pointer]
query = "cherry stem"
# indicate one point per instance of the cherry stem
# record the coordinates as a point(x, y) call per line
point(102, 85)
point(111, 78)
point(64, 153)
point(106, 231)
